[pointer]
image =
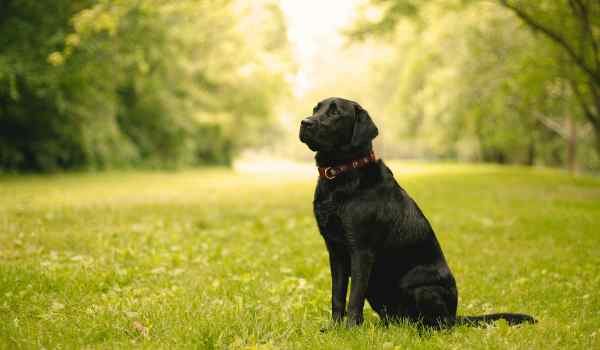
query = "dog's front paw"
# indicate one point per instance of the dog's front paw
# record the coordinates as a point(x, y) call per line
point(338, 316)
point(353, 321)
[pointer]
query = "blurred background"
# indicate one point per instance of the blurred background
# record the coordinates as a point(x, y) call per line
point(102, 84)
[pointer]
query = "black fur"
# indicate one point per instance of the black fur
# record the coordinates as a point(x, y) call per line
point(375, 233)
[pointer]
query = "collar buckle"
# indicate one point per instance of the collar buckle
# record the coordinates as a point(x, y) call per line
point(330, 173)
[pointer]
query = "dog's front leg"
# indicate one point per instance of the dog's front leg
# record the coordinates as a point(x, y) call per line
point(339, 262)
point(361, 264)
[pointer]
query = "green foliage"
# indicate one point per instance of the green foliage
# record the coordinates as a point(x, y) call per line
point(96, 84)
point(472, 81)
point(573, 27)
point(214, 259)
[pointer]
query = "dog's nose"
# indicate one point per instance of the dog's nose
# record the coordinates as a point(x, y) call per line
point(307, 122)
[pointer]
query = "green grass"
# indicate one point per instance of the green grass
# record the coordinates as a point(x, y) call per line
point(215, 259)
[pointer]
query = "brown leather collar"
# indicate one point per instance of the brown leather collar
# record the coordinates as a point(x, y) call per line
point(331, 172)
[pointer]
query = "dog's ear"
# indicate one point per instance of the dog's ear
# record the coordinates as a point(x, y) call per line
point(364, 128)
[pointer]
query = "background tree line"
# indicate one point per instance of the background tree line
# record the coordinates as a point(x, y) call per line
point(94, 84)
point(509, 81)
point(108, 83)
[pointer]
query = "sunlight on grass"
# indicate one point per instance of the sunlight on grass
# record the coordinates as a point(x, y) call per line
point(232, 259)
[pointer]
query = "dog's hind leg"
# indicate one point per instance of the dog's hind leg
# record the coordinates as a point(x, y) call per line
point(435, 305)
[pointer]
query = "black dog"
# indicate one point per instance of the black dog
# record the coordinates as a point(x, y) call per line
point(375, 233)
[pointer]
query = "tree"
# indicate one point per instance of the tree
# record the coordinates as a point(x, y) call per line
point(467, 68)
point(102, 83)
point(574, 26)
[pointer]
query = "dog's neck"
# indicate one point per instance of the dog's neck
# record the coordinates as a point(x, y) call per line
point(333, 158)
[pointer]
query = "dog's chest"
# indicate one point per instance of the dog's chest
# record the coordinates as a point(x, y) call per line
point(328, 220)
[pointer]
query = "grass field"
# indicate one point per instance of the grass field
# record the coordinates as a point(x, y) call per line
point(217, 259)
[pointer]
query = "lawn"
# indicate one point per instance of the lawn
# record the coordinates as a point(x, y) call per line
point(218, 259)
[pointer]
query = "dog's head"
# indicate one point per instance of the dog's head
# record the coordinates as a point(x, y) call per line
point(337, 125)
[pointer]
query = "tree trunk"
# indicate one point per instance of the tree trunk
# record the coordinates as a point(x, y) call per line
point(571, 144)
point(597, 134)
point(531, 151)
point(596, 125)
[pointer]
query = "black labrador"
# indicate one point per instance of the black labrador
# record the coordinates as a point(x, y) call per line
point(374, 231)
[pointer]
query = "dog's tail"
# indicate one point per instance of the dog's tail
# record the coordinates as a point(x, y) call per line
point(479, 321)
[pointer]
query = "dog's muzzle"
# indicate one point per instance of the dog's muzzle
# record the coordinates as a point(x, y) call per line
point(306, 127)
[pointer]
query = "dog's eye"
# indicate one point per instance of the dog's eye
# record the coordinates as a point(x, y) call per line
point(333, 109)
point(316, 108)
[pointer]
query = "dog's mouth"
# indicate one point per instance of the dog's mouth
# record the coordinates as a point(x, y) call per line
point(303, 134)
point(307, 138)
